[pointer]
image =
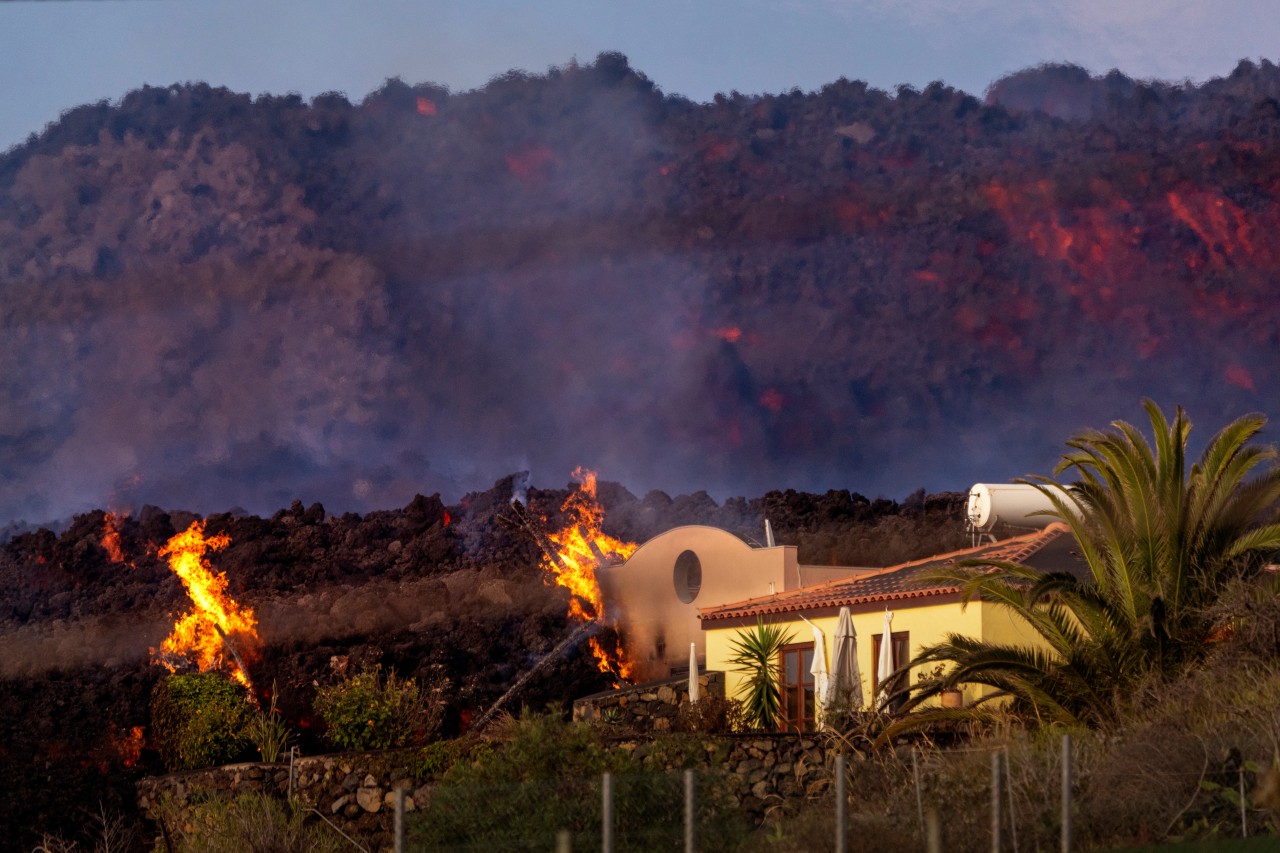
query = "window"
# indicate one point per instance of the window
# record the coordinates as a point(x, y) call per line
point(901, 650)
point(797, 687)
point(688, 576)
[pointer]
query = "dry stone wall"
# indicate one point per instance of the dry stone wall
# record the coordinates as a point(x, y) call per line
point(647, 707)
point(356, 792)
point(769, 769)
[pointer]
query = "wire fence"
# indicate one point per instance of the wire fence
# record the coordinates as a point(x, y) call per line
point(635, 811)
point(1017, 798)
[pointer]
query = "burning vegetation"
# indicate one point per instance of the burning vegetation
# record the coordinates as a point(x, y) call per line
point(570, 557)
point(580, 547)
point(217, 631)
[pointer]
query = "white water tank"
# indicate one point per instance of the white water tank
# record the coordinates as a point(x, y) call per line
point(1011, 503)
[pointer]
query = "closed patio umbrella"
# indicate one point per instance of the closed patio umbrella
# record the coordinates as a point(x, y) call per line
point(886, 665)
point(846, 679)
point(694, 693)
point(818, 669)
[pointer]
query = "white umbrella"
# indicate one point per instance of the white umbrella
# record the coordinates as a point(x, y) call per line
point(819, 671)
point(885, 666)
point(694, 694)
point(846, 678)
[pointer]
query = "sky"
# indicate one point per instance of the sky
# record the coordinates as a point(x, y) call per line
point(58, 54)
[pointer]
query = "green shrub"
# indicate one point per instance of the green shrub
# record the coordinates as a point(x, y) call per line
point(199, 720)
point(368, 711)
point(544, 776)
point(252, 822)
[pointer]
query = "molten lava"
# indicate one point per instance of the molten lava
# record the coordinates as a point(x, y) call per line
point(217, 630)
point(126, 748)
point(580, 547)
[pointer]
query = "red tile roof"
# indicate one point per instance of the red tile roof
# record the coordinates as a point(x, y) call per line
point(896, 583)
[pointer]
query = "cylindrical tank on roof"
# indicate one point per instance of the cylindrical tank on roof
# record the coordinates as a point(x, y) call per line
point(1011, 503)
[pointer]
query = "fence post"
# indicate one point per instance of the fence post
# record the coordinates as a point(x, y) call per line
point(564, 842)
point(842, 831)
point(995, 802)
point(606, 813)
point(689, 812)
point(399, 821)
point(932, 831)
point(293, 750)
point(915, 774)
point(1244, 817)
point(1066, 794)
point(1013, 816)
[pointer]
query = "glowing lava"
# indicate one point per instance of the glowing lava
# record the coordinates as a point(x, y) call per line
point(211, 633)
point(580, 547)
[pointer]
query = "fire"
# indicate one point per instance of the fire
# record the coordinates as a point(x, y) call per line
point(111, 538)
point(217, 621)
point(580, 547)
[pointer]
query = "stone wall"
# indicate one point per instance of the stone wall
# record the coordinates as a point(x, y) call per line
point(771, 769)
point(356, 792)
point(647, 707)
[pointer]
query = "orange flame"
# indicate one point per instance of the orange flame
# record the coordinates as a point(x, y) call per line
point(111, 538)
point(580, 548)
point(200, 633)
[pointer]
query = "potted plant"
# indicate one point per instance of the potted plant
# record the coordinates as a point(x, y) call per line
point(949, 696)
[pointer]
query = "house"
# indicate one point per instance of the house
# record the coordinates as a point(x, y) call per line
point(922, 613)
point(653, 598)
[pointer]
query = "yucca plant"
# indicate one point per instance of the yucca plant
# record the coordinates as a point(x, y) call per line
point(756, 653)
point(269, 732)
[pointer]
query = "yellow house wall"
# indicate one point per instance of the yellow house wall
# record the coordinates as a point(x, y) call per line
point(927, 625)
point(1001, 626)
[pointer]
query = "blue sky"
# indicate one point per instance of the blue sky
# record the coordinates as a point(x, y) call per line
point(56, 55)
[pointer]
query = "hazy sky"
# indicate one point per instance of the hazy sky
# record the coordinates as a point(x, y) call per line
point(57, 55)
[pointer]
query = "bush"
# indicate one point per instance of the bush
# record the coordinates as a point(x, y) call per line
point(544, 776)
point(199, 720)
point(710, 715)
point(251, 822)
point(367, 711)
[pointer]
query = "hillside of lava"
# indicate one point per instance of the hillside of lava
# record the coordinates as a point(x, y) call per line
point(213, 300)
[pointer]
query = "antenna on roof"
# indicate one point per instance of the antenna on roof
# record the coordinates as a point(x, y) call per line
point(768, 534)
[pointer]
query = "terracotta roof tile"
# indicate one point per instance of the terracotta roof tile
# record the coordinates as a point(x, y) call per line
point(897, 583)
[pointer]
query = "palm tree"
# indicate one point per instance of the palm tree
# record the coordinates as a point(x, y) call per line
point(1161, 543)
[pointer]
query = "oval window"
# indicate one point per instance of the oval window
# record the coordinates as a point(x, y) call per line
point(688, 576)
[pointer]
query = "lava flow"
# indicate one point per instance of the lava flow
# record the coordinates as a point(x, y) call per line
point(206, 634)
point(580, 547)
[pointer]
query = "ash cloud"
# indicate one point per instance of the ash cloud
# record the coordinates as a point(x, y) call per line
point(215, 301)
